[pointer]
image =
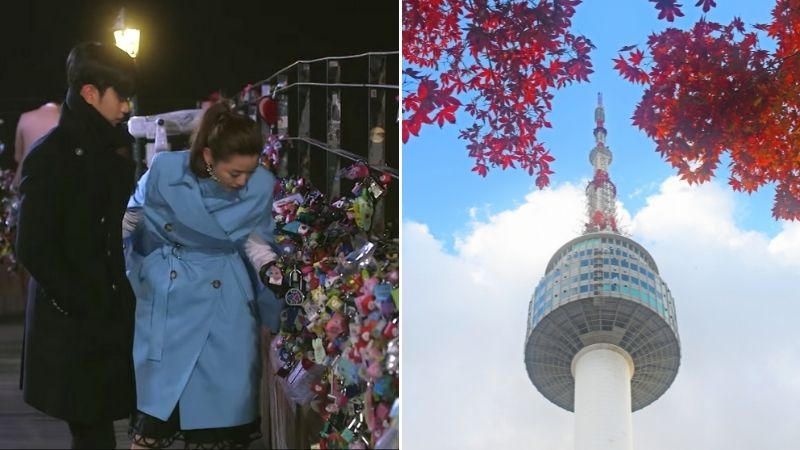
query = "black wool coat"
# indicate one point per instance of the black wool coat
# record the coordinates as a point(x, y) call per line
point(77, 349)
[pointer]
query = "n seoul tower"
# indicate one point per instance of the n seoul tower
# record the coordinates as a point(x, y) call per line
point(602, 337)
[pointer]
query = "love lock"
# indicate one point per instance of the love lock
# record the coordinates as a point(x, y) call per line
point(295, 295)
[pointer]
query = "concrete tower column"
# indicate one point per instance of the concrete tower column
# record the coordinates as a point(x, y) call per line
point(602, 375)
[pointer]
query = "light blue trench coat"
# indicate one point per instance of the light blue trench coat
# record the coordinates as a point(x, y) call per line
point(196, 339)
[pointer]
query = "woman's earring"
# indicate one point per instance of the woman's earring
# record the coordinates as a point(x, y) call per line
point(211, 172)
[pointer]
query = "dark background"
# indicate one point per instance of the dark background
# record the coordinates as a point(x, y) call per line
point(188, 49)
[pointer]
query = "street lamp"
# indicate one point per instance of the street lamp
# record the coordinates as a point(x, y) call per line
point(127, 39)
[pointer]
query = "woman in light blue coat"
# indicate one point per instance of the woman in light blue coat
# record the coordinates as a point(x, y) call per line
point(200, 227)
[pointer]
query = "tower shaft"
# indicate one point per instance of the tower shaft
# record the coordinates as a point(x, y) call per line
point(603, 375)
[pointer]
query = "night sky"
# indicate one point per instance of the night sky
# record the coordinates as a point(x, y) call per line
point(188, 49)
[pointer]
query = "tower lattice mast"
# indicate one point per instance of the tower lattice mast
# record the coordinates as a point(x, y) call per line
point(601, 194)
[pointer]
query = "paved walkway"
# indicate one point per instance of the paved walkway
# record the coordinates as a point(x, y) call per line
point(20, 425)
point(24, 427)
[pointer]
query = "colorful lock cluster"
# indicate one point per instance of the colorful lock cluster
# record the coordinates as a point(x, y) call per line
point(9, 203)
point(338, 346)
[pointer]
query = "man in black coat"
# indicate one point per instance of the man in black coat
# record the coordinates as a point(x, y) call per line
point(77, 350)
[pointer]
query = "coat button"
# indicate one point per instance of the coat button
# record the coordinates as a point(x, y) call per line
point(113, 286)
point(216, 284)
point(103, 219)
point(58, 307)
point(173, 275)
point(78, 151)
point(168, 226)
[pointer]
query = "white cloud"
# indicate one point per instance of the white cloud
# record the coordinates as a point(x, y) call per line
point(510, 246)
point(645, 189)
point(703, 213)
point(786, 245)
point(464, 383)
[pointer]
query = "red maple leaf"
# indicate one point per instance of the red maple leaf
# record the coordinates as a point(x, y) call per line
point(707, 4)
point(629, 72)
point(636, 57)
point(481, 169)
point(668, 9)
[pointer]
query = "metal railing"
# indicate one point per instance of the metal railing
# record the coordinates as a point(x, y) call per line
point(333, 112)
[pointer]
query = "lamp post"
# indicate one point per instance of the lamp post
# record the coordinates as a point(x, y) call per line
point(127, 39)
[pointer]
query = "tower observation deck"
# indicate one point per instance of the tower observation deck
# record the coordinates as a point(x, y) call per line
point(602, 336)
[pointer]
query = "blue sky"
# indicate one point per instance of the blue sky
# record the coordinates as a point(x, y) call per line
point(439, 188)
point(473, 250)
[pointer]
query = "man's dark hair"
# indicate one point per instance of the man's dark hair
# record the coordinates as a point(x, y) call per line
point(103, 66)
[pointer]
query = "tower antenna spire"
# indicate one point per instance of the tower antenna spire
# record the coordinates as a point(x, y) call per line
point(601, 194)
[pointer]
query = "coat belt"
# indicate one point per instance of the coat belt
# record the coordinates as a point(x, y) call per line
point(181, 252)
